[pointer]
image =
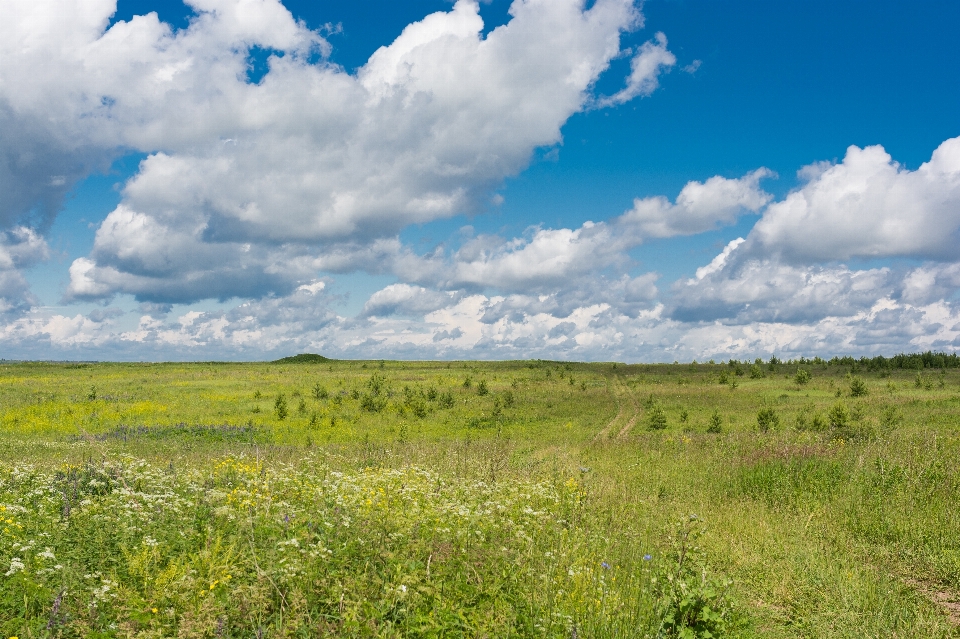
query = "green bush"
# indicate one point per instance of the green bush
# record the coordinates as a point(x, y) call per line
point(802, 377)
point(280, 407)
point(767, 418)
point(716, 423)
point(445, 400)
point(839, 416)
point(858, 388)
point(319, 392)
point(372, 403)
point(756, 372)
point(657, 420)
point(482, 388)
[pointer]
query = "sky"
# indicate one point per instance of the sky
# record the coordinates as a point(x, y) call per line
point(596, 180)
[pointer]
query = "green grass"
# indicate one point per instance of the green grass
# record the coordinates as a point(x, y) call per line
point(467, 499)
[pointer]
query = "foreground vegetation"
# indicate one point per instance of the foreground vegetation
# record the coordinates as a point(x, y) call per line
point(463, 499)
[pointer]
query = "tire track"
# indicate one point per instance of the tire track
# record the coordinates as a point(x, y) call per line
point(633, 419)
point(624, 404)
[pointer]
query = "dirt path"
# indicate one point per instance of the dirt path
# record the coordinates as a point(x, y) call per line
point(633, 419)
point(947, 601)
point(627, 411)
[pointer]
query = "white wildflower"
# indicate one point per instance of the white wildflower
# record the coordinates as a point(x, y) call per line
point(46, 554)
point(16, 565)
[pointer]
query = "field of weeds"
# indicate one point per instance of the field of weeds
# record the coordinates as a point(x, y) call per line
point(467, 499)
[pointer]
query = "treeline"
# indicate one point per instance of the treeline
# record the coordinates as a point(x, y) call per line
point(911, 361)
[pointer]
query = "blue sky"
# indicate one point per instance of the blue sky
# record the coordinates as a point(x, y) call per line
point(245, 179)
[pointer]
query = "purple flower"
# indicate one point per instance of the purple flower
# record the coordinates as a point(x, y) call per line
point(647, 557)
point(605, 565)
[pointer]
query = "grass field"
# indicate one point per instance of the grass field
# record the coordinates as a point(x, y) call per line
point(467, 499)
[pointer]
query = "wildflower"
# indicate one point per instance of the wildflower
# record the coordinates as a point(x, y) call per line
point(605, 565)
point(647, 557)
point(16, 565)
point(154, 610)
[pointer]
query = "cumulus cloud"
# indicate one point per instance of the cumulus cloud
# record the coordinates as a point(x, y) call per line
point(545, 260)
point(700, 206)
point(868, 206)
point(244, 180)
point(770, 291)
point(789, 268)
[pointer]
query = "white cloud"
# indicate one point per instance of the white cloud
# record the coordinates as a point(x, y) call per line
point(20, 248)
point(755, 290)
point(403, 299)
point(244, 178)
point(700, 206)
point(463, 328)
point(545, 260)
point(651, 60)
point(868, 206)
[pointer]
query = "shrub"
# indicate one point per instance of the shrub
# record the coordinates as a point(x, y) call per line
point(377, 384)
point(839, 416)
point(302, 407)
point(858, 388)
point(891, 418)
point(467, 383)
point(319, 392)
point(723, 378)
point(818, 423)
point(482, 388)
point(756, 372)
point(657, 419)
point(684, 416)
point(767, 418)
point(280, 407)
point(418, 407)
point(446, 400)
point(373, 403)
point(716, 423)
point(802, 377)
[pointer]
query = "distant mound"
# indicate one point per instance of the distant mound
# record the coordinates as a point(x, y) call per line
point(303, 358)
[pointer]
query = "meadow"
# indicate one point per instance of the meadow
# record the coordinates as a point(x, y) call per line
point(310, 497)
